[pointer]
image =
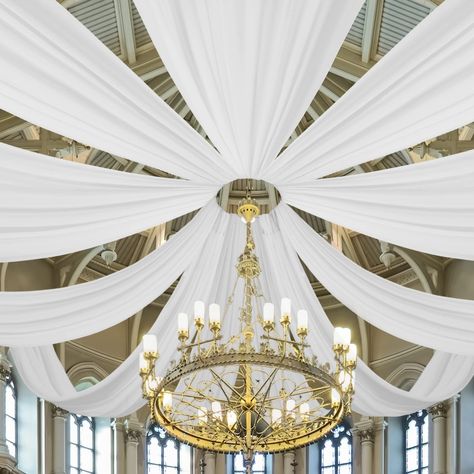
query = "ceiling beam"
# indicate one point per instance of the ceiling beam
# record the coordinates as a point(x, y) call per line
point(369, 29)
point(126, 30)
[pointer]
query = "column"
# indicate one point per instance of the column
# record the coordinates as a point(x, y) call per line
point(379, 445)
point(59, 439)
point(451, 435)
point(289, 462)
point(132, 438)
point(119, 445)
point(366, 433)
point(4, 373)
point(438, 414)
point(209, 462)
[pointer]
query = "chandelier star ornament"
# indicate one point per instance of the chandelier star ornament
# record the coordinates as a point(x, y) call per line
point(261, 390)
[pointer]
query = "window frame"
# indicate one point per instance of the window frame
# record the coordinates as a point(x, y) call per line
point(420, 417)
point(10, 382)
point(346, 432)
point(78, 420)
point(266, 457)
point(153, 432)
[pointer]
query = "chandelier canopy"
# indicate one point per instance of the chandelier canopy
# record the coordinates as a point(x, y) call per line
point(258, 390)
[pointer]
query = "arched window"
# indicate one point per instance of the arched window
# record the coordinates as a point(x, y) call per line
point(259, 465)
point(416, 443)
point(10, 415)
point(81, 452)
point(164, 454)
point(335, 451)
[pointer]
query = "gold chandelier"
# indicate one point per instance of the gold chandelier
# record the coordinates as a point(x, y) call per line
point(258, 391)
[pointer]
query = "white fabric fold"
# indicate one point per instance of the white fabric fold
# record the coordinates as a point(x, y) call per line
point(52, 207)
point(248, 69)
point(445, 375)
point(421, 89)
point(58, 75)
point(119, 394)
point(439, 322)
point(428, 206)
point(32, 318)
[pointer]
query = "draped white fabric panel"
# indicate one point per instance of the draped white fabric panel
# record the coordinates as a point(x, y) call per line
point(429, 320)
point(57, 74)
point(52, 207)
point(444, 376)
point(120, 394)
point(248, 69)
point(49, 316)
point(419, 90)
point(427, 207)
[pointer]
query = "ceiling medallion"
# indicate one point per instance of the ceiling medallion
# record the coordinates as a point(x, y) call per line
point(257, 391)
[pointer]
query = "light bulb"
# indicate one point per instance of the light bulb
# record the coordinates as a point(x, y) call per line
point(183, 324)
point(216, 410)
point(285, 306)
point(231, 419)
point(290, 408)
point(150, 344)
point(338, 336)
point(352, 354)
point(167, 401)
point(335, 398)
point(202, 415)
point(268, 313)
point(276, 416)
point(199, 311)
point(302, 320)
point(344, 380)
point(214, 314)
point(304, 411)
point(346, 337)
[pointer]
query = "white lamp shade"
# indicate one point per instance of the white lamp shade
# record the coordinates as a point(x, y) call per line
point(338, 336)
point(167, 400)
point(183, 323)
point(346, 336)
point(216, 409)
point(285, 306)
point(268, 313)
point(302, 319)
point(199, 310)
point(150, 344)
point(231, 419)
point(202, 415)
point(335, 398)
point(214, 313)
point(304, 409)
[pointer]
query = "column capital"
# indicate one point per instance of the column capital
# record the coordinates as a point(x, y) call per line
point(366, 436)
point(5, 368)
point(59, 412)
point(133, 435)
point(439, 410)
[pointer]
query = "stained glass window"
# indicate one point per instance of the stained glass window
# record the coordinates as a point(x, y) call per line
point(416, 443)
point(81, 451)
point(166, 455)
point(335, 451)
point(10, 416)
point(259, 465)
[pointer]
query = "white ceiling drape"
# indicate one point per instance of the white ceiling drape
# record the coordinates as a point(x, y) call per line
point(429, 320)
point(32, 318)
point(400, 205)
point(248, 72)
point(53, 207)
point(71, 84)
point(64, 79)
point(421, 89)
point(120, 394)
point(444, 376)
